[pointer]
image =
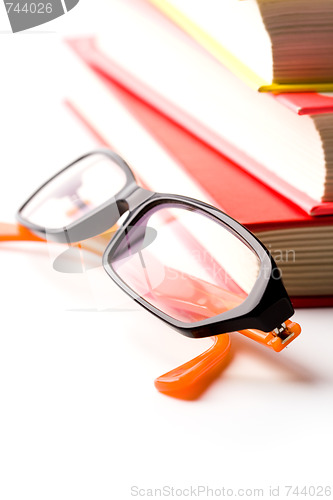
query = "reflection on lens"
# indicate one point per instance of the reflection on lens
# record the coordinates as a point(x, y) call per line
point(185, 263)
point(75, 192)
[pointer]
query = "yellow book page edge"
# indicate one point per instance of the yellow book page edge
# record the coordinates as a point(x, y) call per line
point(278, 88)
point(228, 59)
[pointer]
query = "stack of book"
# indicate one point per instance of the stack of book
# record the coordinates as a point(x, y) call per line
point(225, 102)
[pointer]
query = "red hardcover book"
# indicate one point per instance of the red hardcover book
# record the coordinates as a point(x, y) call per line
point(167, 157)
point(291, 153)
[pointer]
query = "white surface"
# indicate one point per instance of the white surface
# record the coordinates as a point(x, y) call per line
point(79, 415)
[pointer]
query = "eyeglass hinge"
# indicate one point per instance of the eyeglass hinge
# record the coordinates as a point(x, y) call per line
point(283, 333)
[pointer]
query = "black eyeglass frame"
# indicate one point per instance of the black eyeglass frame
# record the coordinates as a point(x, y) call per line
point(267, 305)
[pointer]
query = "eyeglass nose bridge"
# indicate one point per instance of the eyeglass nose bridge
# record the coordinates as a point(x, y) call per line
point(129, 199)
point(135, 196)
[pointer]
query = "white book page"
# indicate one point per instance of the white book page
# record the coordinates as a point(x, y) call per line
point(237, 26)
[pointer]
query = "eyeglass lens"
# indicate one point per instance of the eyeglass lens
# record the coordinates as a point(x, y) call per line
point(186, 264)
point(82, 187)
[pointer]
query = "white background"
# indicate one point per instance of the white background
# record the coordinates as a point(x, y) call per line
point(79, 415)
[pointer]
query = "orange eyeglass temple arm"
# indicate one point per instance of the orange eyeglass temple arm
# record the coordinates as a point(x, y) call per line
point(197, 373)
point(16, 232)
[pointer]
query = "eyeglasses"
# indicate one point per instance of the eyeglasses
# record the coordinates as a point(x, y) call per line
point(188, 263)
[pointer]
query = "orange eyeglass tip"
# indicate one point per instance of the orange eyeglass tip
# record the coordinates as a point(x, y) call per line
point(189, 380)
